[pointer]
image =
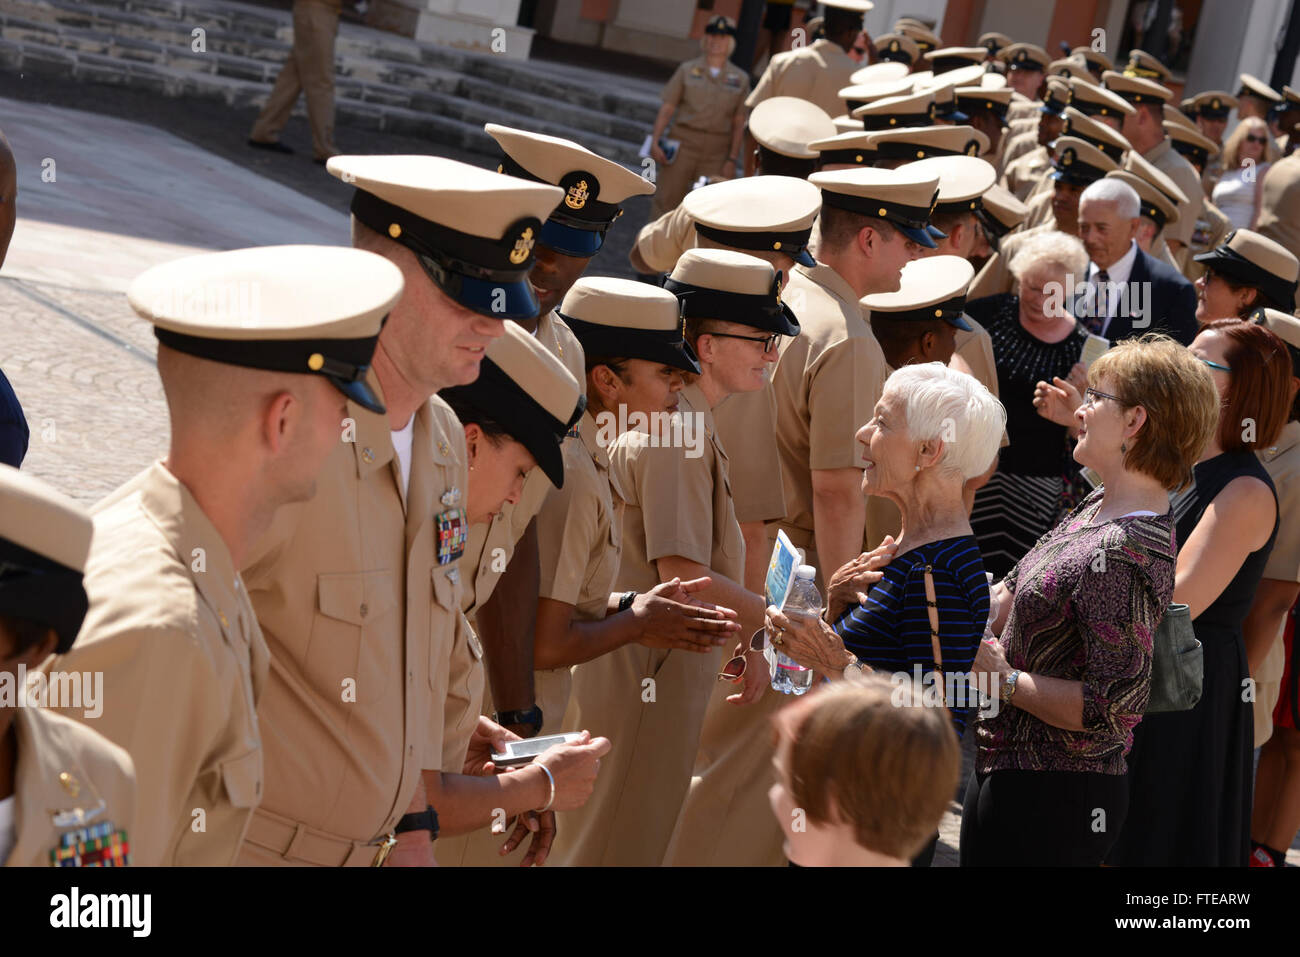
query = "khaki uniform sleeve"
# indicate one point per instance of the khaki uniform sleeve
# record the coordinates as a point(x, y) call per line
point(675, 491)
point(746, 423)
point(1284, 560)
point(567, 529)
point(661, 242)
point(675, 86)
point(846, 384)
point(766, 86)
point(1184, 176)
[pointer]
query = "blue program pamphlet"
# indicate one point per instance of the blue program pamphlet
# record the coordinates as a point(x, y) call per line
point(780, 570)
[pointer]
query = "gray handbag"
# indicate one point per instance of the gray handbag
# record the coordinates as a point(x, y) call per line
point(1177, 663)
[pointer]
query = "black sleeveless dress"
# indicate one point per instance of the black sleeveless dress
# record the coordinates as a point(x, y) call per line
point(1191, 772)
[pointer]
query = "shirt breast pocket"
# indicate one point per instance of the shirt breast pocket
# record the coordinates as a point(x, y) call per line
point(444, 620)
point(347, 651)
point(242, 779)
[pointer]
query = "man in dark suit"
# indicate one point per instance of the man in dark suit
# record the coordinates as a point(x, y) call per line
point(1127, 292)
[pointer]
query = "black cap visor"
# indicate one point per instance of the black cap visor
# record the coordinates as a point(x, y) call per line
point(665, 346)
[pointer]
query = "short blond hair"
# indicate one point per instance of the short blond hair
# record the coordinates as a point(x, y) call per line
point(1060, 249)
point(1181, 402)
point(871, 755)
point(1232, 145)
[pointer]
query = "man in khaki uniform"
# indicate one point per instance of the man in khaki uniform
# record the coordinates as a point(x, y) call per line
point(1042, 199)
point(310, 70)
point(1279, 214)
point(770, 217)
point(705, 99)
point(1026, 65)
point(67, 794)
point(987, 110)
point(1146, 133)
point(1212, 227)
point(1100, 104)
point(500, 561)
point(358, 591)
point(1027, 164)
point(1271, 822)
point(819, 71)
point(257, 389)
point(678, 524)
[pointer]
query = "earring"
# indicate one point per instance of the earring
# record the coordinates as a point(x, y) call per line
point(1123, 447)
point(918, 468)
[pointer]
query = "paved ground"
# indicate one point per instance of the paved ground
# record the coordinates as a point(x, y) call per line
point(127, 195)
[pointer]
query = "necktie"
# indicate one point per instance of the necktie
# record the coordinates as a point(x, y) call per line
point(1097, 320)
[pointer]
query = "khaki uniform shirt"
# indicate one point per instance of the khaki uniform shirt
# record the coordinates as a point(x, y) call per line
point(1040, 206)
point(1282, 461)
point(67, 778)
point(815, 73)
point(676, 504)
point(184, 662)
point(361, 618)
point(827, 382)
point(746, 423)
point(1279, 212)
point(1174, 165)
point(705, 103)
point(1027, 170)
point(1212, 228)
point(1016, 142)
point(662, 241)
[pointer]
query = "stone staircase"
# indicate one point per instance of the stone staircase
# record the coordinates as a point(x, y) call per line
point(382, 81)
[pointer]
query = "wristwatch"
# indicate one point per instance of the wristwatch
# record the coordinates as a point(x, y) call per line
point(855, 669)
point(532, 718)
point(426, 820)
point(626, 599)
point(1008, 686)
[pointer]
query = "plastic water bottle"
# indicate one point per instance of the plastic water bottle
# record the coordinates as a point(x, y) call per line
point(804, 601)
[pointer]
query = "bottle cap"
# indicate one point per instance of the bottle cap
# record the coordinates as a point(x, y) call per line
point(805, 571)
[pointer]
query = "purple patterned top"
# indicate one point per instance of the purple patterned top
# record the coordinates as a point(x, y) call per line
point(1087, 600)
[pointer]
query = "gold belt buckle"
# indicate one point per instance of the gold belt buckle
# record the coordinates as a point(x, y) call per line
point(385, 849)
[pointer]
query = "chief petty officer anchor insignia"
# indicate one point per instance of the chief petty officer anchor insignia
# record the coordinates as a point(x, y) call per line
point(87, 845)
point(451, 527)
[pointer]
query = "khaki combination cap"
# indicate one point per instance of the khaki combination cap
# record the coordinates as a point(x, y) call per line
point(993, 42)
point(1056, 96)
point(623, 318)
point(529, 393)
point(787, 124)
point(963, 180)
point(1174, 115)
point(853, 6)
point(1286, 327)
point(731, 286)
point(962, 76)
point(1143, 65)
point(945, 59)
point(1290, 98)
point(1097, 62)
point(902, 198)
point(1111, 142)
point(1079, 162)
point(855, 148)
point(1135, 89)
point(1070, 66)
point(1025, 56)
point(1190, 143)
point(44, 541)
point(1212, 104)
point(923, 142)
point(593, 186)
point(1000, 211)
point(472, 230)
point(898, 48)
point(1247, 257)
point(910, 109)
point(847, 124)
point(1253, 86)
point(972, 98)
point(992, 81)
point(860, 94)
point(881, 72)
point(1139, 165)
point(314, 310)
point(1156, 206)
point(757, 213)
point(924, 38)
point(932, 288)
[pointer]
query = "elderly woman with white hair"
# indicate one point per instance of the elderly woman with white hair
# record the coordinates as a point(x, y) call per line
point(926, 612)
point(1035, 338)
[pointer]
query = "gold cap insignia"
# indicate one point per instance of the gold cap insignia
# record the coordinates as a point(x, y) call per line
point(1214, 103)
point(315, 361)
point(973, 148)
point(394, 230)
point(778, 292)
point(523, 246)
point(893, 46)
point(577, 195)
point(1067, 157)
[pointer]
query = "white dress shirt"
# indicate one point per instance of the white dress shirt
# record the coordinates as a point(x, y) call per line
point(1118, 275)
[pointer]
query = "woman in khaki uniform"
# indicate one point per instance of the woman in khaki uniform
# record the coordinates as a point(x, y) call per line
point(679, 523)
point(67, 795)
point(705, 100)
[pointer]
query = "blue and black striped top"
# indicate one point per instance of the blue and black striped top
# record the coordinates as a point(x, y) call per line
point(891, 631)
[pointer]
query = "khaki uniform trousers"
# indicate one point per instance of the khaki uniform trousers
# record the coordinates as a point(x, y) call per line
point(310, 70)
point(700, 154)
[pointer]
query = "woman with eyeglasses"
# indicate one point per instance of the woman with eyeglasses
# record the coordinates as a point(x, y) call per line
point(1190, 772)
point(1247, 156)
point(1245, 272)
point(1071, 672)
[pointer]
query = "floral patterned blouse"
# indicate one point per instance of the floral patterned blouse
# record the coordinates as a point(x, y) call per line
point(1087, 600)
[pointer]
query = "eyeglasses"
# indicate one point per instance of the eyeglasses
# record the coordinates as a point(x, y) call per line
point(1256, 139)
point(1215, 365)
point(769, 342)
point(734, 670)
point(860, 51)
point(1091, 395)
